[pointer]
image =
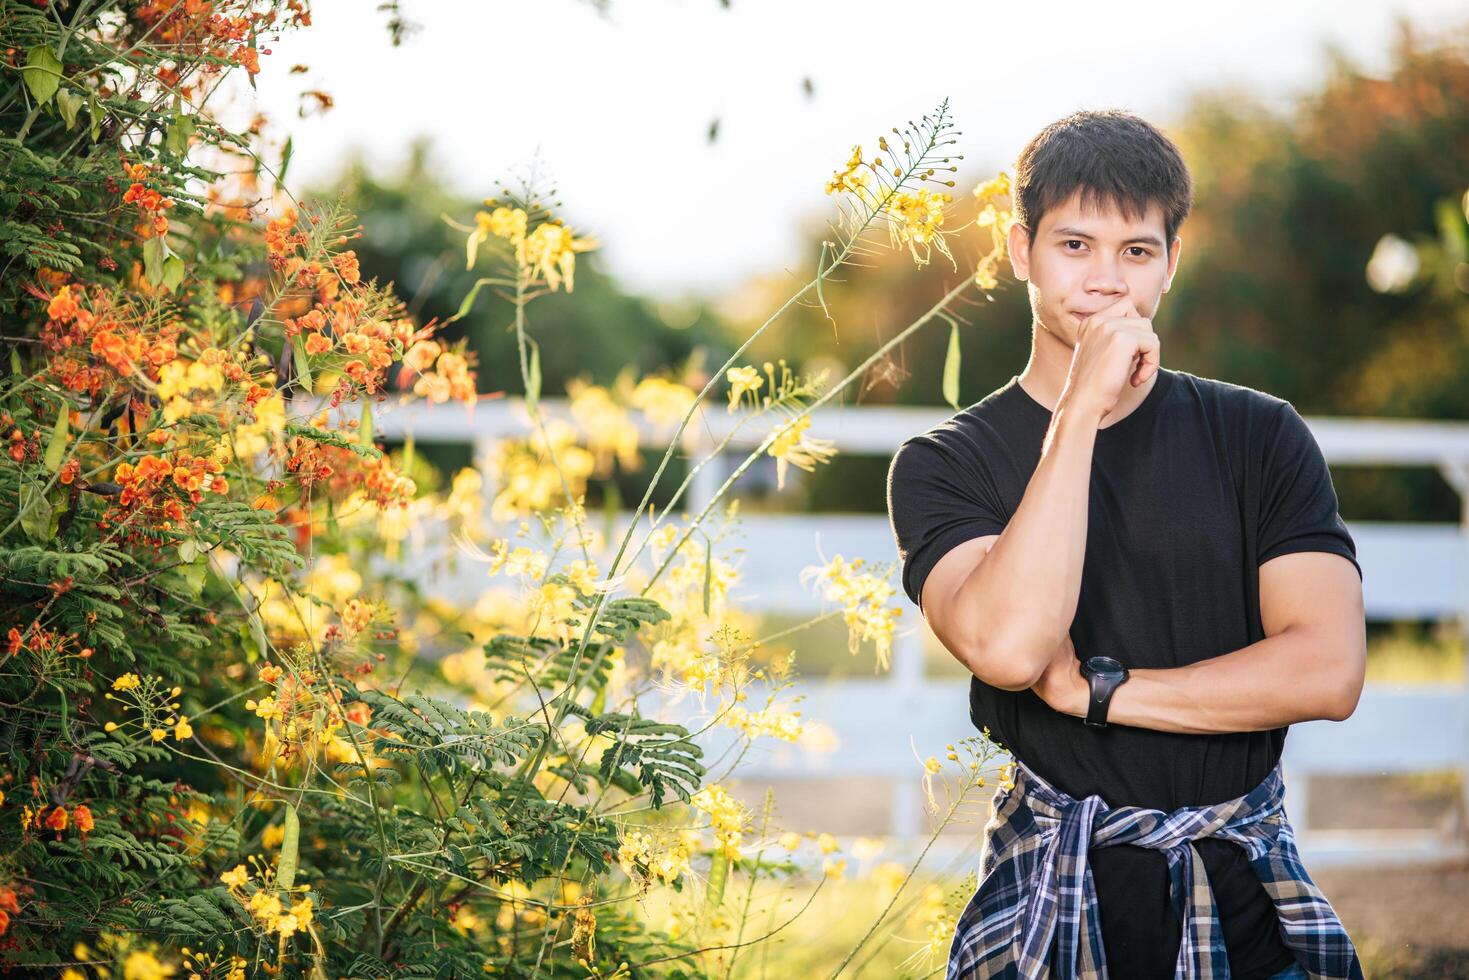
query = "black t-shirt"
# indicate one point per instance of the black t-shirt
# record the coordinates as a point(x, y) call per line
point(1190, 492)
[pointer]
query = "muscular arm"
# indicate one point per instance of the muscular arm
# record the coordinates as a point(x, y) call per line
point(1309, 666)
point(1002, 604)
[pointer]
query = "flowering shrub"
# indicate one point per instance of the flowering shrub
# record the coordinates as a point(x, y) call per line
point(232, 744)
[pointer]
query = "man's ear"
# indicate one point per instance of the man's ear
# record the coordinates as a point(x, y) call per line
point(1173, 251)
point(1019, 251)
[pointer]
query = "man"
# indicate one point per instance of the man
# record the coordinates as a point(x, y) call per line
point(1099, 504)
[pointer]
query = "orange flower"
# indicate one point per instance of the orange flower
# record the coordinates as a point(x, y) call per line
point(82, 817)
point(57, 819)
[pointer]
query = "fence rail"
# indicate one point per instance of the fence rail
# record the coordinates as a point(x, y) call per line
point(1410, 571)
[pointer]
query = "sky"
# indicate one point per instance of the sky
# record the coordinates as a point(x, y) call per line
point(615, 105)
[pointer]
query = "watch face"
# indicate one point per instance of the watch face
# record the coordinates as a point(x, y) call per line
point(1103, 665)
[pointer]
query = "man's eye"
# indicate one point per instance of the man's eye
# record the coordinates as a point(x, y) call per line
point(1073, 241)
point(1140, 251)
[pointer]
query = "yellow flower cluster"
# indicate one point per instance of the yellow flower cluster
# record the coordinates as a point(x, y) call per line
point(664, 402)
point(665, 856)
point(997, 217)
point(729, 817)
point(154, 704)
point(548, 252)
point(526, 474)
point(767, 721)
point(915, 219)
point(848, 179)
point(863, 596)
point(189, 386)
point(609, 429)
point(266, 907)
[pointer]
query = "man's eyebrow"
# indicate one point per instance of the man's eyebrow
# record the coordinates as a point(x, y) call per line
point(1153, 240)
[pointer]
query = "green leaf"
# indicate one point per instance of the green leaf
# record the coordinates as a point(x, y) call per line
point(364, 426)
point(1452, 229)
point(153, 260)
point(718, 874)
point(285, 869)
point(94, 113)
point(15, 366)
point(951, 368)
point(280, 178)
point(42, 73)
point(56, 445)
point(35, 514)
point(173, 273)
point(303, 367)
point(70, 104)
point(408, 448)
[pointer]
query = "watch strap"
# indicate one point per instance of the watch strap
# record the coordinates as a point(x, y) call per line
point(1101, 687)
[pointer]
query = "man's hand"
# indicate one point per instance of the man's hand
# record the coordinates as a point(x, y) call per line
point(1061, 685)
point(1115, 346)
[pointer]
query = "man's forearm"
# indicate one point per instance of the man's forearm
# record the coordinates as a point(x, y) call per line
point(1299, 674)
point(1020, 599)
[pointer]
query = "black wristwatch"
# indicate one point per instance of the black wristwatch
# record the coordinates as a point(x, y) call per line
point(1103, 676)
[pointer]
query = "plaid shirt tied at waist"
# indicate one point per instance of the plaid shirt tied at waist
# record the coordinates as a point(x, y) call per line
point(1034, 912)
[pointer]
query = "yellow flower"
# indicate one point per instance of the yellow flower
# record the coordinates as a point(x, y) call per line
point(144, 966)
point(793, 446)
point(826, 843)
point(864, 598)
point(741, 380)
point(272, 836)
point(302, 911)
point(159, 734)
point(664, 402)
point(727, 814)
point(790, 840)
point(551, 251)
point(848, 179)
point(507, 223)
point(235, 877)
point(932, 764)
point(126, 682)
point(914, 219)
point(183, 729)
point(111, 726)
point(266, 708)
point(997, 186)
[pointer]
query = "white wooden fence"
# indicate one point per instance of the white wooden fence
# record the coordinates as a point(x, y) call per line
point(1411, 571)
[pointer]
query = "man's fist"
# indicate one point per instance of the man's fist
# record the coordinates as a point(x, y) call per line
point(1114, 346)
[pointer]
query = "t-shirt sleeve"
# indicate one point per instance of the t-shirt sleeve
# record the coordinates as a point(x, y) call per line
point(935, 503)
point(1298, 504)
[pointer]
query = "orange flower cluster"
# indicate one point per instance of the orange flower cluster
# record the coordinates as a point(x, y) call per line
point(42, 640)
point(196, 31)
point(343, 471)
point(282, 238)
point(444, 375)
point(366, 344)
point(58, 819)
point(9, 906)
point(73, 331)
point(151, 486)
point(151, 203)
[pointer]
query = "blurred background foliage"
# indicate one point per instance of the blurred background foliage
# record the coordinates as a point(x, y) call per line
point(1293, 200)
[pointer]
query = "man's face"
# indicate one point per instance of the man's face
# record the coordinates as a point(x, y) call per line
point(1084, 261)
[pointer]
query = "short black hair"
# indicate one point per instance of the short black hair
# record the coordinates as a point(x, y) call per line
point(1113, 157)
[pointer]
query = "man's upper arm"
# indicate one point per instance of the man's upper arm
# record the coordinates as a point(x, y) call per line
point(944, 581)
point(1309, 576)
point(945, 516)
